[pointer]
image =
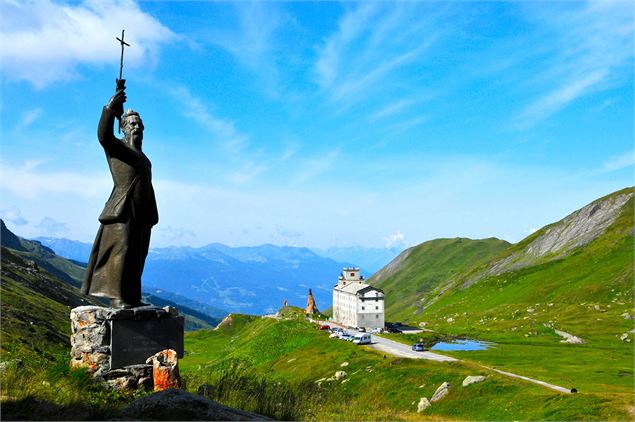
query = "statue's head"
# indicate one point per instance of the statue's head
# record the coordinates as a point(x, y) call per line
point(132, 126)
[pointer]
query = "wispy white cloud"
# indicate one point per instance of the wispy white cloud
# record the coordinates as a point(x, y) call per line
point(372, 43)
point(45, 41)
point(50, 226)
point(13, 215)
point(253, 40)
point(619, 162)
point(395, 239)
point(559, 98)
point(222, 129)
point(590, 46)
point(28, 117)
point(28, 181)
point(392, 108)
point(313, 167)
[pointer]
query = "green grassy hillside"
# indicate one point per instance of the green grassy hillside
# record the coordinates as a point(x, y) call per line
point(419, 270)
point(35, 308)
point(281, 368)
point(575, 276)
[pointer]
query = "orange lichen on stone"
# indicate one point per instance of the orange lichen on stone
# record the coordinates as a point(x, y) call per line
point(165, 370)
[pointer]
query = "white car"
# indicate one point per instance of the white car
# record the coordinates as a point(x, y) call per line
point(362, 338)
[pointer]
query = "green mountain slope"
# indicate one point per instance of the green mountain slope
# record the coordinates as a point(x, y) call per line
point(568, 268)
point(64, 269)
point(35, 308)
point(419, 270)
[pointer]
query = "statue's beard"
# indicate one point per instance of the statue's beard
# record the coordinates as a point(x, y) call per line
point(135, 140)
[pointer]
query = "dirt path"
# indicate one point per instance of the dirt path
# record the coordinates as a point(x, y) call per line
point(544, 384)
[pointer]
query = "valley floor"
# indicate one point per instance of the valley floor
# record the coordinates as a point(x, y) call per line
point(288, 369)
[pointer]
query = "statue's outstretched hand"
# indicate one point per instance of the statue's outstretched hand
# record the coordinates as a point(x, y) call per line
point(116, 102)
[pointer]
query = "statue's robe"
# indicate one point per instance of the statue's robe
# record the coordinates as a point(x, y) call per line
point(118, 256)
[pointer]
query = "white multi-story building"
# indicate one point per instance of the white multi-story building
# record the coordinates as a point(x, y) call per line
point(357, 303)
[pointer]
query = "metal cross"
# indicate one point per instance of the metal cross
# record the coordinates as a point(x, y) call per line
point(123, 43)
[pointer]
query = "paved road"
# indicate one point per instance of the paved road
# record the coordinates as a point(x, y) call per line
point(395, 348)
point(403, 350)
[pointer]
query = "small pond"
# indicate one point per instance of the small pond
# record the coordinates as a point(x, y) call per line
point(463, 345)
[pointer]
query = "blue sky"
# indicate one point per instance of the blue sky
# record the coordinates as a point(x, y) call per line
point(320, 123)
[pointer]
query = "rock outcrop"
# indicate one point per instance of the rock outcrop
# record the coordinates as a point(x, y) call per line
point(441, 392)
point(175, 404)
point(569, 338)
point(424, 403)
point(473, 379)
point(559, 239)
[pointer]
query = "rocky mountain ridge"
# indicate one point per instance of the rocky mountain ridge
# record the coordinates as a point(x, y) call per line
point(563, 237)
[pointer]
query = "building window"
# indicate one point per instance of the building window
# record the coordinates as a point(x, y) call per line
point(376, 307)
point(362, 308)
point(377, 316)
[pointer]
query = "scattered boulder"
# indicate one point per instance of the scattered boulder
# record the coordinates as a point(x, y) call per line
point(473, 379)
point(130, 378)
point(344, 364)
point(424, 403)
point(345, 380)
point(340, 375)
point(568, 338)
point(624, 337)
point(12, 363)
point(173, 404)
point(626, 315)
point(450, 320)
point(441, 392)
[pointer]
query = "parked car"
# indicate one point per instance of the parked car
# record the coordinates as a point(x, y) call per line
point(377, 330)
point(325, 327)
point(418, 347)
point(335, 334)
point(337, 330)
point(392, 329)
point(362, 339)
point(361, 329)
point(345, 336)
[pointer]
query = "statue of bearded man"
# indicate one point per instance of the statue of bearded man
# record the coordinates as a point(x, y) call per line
point(118, 255)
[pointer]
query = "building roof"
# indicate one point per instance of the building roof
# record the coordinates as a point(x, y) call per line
point(368, 288)
point(354, 288)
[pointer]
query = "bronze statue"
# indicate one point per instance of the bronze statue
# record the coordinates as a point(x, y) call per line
point(121, 245)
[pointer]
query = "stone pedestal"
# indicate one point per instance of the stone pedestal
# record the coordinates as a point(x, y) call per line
point(114, 344)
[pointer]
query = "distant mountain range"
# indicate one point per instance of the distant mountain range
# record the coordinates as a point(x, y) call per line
point(254, 279)
point(371, 259)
